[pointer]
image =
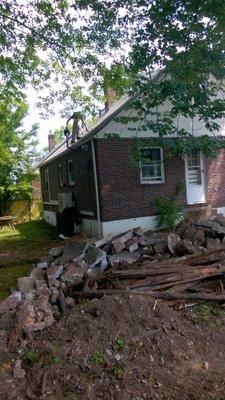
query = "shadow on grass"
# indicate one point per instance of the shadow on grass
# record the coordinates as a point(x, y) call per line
point(27, 242)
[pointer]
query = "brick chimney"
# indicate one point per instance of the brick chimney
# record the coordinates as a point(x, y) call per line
point(51, 141)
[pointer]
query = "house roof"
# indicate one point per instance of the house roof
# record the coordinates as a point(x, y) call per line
point(102, 122)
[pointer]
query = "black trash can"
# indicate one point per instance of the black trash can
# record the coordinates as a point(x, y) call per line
point(65, 221)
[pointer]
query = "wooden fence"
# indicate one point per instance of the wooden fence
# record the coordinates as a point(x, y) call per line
point(25, 210)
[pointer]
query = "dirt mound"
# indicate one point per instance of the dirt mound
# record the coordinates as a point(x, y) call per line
point(124, 348)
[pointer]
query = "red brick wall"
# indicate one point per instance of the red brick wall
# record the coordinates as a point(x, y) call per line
point(215, 174)
point(84, 178)
point(121, 193)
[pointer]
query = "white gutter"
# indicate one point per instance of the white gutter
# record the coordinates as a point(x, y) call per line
point(96, 188)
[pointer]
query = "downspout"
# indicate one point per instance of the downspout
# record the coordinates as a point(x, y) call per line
point(96, 187)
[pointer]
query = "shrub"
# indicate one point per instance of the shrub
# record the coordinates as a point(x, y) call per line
point(168, 212)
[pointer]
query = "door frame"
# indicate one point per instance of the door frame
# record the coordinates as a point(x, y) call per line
point(202, 177)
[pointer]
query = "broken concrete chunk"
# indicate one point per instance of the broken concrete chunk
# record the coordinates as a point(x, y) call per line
point(187, 247)
point(72, 250)
point(56, 251)
point(96, 257)
point(101, 243)
point(138, 232)
point(172, 242)
point(26, 283)
point(55, 262)
point(54, 273)
point(118, 241)
point(10, 303)
point(124, 257)
point(41, 284)
point(200, 237)
point(54, 295)
point(75, 273)
point(37, 274)
point(220, 219)
point(160, 246)
point(212, 244)
point(70, 302)
point(131, 245)
point(18, 372)
point(43, 265)
point(141, 241)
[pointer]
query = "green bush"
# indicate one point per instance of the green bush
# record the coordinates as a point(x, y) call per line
point(168, 212)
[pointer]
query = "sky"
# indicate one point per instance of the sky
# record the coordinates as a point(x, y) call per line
point(46, 125)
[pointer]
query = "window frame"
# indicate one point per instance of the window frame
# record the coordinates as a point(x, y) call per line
point(71, 182)
point(60, 175)
point(149, 181)
point(46, 180)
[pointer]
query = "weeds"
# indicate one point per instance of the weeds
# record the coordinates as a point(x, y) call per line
point(120, 344)
point(97, 358)
point(31, 357)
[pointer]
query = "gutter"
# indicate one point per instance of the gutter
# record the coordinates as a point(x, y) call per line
point(96, 188)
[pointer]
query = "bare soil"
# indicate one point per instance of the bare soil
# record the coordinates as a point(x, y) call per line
point(122, 348)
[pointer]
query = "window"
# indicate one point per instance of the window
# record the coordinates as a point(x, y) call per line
point(46, 182)
point(152, 167)
point(60, 172)
point(70, 172)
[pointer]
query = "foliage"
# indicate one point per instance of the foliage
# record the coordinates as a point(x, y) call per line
point(97, 358)
point(120, 344)
point(168, 212)
point(18, 150)
point(77, 50)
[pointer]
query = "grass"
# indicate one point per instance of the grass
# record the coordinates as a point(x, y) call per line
point(21, 247)
point(9, 276)
point(27, 243)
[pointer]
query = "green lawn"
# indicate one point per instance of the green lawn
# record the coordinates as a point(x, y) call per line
point(21, 247)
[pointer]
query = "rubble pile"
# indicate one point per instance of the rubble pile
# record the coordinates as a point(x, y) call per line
point(187, 262)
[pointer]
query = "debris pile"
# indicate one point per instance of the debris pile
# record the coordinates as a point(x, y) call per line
point(186, 263)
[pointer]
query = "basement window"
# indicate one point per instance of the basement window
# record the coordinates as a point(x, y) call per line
point(60, 175)
point(46, 181)
point(152, 166)
point(70, 172)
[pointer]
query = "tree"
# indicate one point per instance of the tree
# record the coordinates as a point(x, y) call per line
point(18, 152)
point(93, 44)
point(184, 39)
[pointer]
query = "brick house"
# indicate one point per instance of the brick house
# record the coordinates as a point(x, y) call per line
point(112, 194)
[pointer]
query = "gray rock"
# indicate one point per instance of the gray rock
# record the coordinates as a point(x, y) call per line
point(101, 243)
point(96, 257)
point(160, 246)
point(26, 283)
point(118, 241)
point(172, 242)
point(56, 251)
point(18, 372)
point(187, 247)
point(75, 273)
point(138, 232)
point(220, 219)
point(54, 295)
point(10, 303)
point(212, 244)
point(37, 274)
point(124, 257)
point(57, 261)
point(43, 265)
point(54, 273)
point(70, 302)
point(131, 245)
point(200, 237)
point(72, 250)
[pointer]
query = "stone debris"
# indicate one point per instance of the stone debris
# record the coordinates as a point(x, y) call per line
point(47, 292)
point(18, 372)
point(56, 251)
point(10, 303)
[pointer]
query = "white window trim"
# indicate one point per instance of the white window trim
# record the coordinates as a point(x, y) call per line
point(71, 182)
point(149, 182)
point(60, 177)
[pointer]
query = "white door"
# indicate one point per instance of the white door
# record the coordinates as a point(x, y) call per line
point(194, 170)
